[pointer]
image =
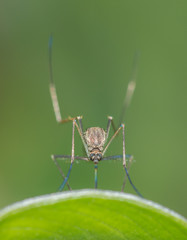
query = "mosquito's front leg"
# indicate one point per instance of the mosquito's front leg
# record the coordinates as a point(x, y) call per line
point(108, 144)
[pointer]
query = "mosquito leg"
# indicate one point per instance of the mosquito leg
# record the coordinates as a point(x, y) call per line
point(56, 107)
point(122, 126)
point(115, 134)
point(124, 163)
point(128, 167)
point(54, 157)
point(130, 88)
point(113, 125)
point(59, 157)
point(52, 89)
point(72, 159)
point(63, 157)
point(108, 126)
point(79, 118)
point(110, 122)
point(80, 131)
point(136, 190)
point(69, 156)
point(115, 157)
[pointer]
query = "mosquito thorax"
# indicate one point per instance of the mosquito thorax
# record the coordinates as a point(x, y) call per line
point(96, 155)
point(95, 138)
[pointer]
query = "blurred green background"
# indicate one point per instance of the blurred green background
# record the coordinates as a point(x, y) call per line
point(93, 48)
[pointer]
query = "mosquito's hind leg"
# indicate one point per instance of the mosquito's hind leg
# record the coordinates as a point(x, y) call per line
point(130, 88)
point(52, 89)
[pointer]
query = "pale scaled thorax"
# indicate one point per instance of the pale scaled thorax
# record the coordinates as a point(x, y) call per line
point(95, 138)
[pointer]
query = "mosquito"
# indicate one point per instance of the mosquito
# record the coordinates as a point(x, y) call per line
point(94, 139)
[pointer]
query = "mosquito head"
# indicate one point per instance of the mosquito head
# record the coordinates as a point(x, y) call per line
point(95, 155)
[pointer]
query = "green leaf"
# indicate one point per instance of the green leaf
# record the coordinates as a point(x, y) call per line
point(90, 214)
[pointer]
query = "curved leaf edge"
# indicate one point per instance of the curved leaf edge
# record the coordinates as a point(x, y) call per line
point(53, 198)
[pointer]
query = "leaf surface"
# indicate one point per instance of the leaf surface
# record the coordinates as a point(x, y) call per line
point(90, 214)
